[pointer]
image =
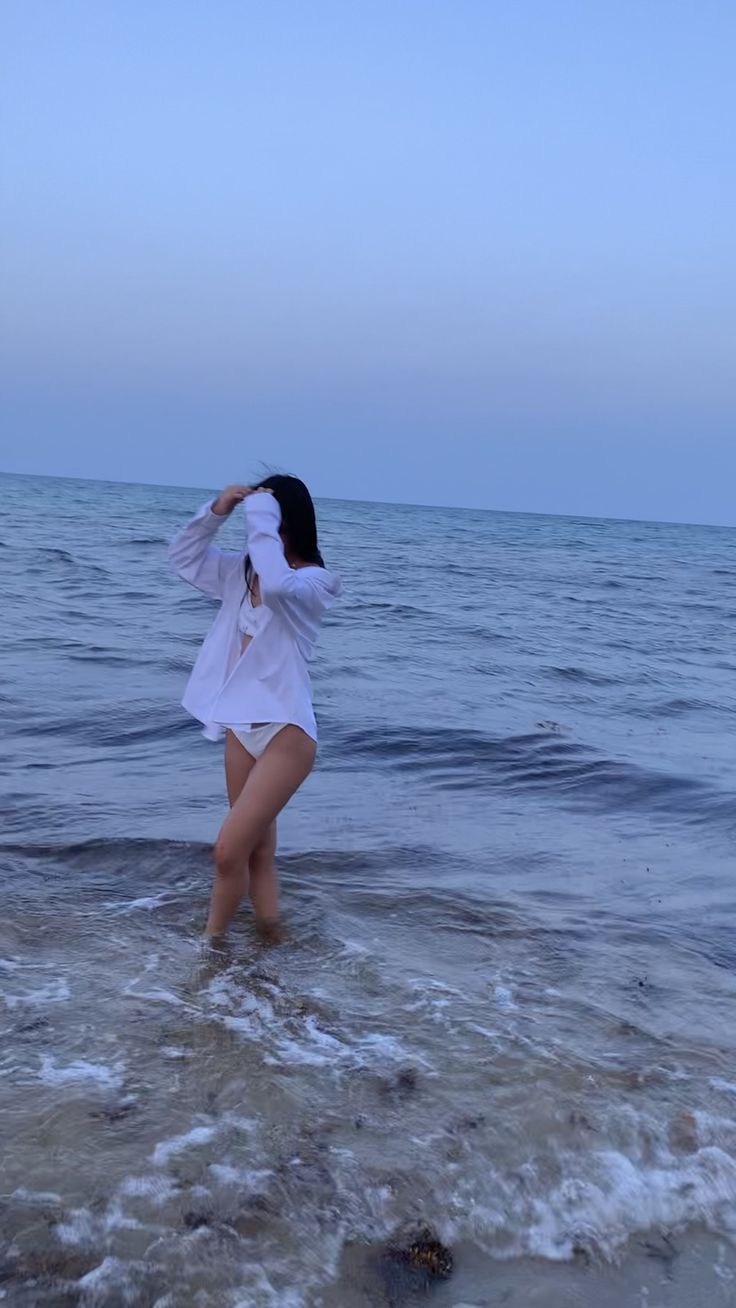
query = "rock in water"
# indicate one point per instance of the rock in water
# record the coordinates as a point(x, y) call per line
point(427, 1252)
point(415, 1262)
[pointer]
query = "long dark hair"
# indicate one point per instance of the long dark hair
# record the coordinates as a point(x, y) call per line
point(298, 520)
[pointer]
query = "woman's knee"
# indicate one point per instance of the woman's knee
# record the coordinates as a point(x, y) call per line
point(229, 861)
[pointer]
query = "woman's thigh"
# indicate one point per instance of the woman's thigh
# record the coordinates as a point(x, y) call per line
point(238, 766)
point(270, 784)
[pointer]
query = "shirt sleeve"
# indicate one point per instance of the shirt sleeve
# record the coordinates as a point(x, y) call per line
point(282, 587)
point(194, 557)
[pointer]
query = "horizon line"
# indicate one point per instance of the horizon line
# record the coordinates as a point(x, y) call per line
point(405, 504)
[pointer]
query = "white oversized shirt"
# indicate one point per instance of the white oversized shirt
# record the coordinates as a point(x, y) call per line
point(269, 681)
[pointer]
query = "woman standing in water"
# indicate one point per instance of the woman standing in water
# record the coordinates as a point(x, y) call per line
point(250, 679)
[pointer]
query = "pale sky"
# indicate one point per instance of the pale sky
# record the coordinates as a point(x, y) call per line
point(442, 251)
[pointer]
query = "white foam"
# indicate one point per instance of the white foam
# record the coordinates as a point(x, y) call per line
point(156, 1188)
point(385, 1045)
point(239, 1123)
point(227, 1175)
point(258, 1289)
point(56, 992)
point(504, 998)
point(493, 1036)
point(615, 1198)
point(157, 995)
point(245, 1025)
point(321, 1036)
point(117, 1220)
point(723, 1272)
point(178, 1144)
point(146, 901)
point(287, 1037)
point(254, 1017)
point(111, 1077)
point(434, 1000)
point(386, 1048)
point(112, 1274)
point(79, 1228)
point(253, 1178)
point(441, 987)
point(223, 992)
point(36, 1196)
point(294, 1053)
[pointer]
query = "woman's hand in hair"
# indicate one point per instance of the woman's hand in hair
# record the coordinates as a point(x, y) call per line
point(229, 498)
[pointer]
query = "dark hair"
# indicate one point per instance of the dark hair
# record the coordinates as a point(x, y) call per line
point(298, 520)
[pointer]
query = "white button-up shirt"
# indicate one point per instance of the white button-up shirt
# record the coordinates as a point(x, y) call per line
point(269, 681)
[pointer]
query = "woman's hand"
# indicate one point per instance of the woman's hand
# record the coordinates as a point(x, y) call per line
point(229, 498)
point(233, 495)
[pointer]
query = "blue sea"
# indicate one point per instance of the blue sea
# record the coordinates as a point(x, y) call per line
point(495, 1061)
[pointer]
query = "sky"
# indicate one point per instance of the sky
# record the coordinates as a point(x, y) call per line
point(471, 252)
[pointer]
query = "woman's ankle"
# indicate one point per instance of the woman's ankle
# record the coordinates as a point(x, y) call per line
point(270, 930)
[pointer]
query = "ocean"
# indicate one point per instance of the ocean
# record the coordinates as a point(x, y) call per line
point(493, 1064)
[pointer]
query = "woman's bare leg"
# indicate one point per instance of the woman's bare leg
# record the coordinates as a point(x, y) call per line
point(272, 781)
point(264, 883)
point(238, 766)
point(264, 886)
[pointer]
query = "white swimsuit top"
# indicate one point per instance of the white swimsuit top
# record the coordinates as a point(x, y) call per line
point(252, 617)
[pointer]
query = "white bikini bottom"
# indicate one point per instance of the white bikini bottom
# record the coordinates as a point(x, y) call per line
point(255, 739)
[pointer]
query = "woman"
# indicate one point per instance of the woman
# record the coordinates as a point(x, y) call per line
point(250, 678)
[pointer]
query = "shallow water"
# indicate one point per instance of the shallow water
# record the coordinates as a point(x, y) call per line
point(505, 1008)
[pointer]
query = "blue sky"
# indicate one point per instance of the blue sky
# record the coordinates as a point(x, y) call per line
point(471, 252)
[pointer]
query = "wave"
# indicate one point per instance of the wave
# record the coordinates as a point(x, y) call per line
point(103, 658)
point(678, 706)
point(543, 764)
point(147, 722)
point(56, 555)
point(86, 852)
point(427, 886)
point(52, 555)
point(584, 675)
point(137, 856)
